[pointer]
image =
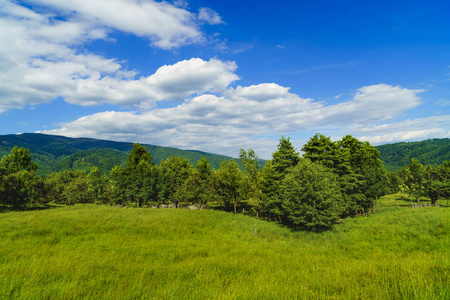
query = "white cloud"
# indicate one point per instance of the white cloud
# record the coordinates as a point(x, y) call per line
point(40, 60)
point(240, 116)
point(408, 130)
point(194, 76)
point(170, 82)
point(209, 16)
point(443, 102)
point(165, 25)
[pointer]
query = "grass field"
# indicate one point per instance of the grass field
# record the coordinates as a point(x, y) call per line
point(100, 252)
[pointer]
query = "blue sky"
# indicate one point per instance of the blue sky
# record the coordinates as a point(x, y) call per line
point(218, 76)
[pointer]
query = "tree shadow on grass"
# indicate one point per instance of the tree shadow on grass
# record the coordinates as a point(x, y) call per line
point(35, 207)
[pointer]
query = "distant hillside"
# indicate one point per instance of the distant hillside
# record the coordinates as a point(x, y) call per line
point(58, 153)
point(429, 152)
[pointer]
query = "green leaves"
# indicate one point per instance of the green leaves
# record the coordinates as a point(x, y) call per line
point(362, 177)
point(311, 197)
point(18, 160)
point(232, 183)
point(17, 178)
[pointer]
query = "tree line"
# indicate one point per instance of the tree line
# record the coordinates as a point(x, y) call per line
point(417, 180)
point(330, 181)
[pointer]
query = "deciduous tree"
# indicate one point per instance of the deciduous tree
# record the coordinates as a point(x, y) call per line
point(231, 183)
point(311, 197)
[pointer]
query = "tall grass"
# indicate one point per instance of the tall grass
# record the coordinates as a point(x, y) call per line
point(99, 252)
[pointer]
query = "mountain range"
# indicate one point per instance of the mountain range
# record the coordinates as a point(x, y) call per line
point(428, 152)
point(58, 153)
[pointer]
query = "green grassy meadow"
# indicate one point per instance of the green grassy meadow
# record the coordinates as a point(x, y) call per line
point(101, 252)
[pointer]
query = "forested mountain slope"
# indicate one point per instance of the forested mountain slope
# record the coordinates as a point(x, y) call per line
point(58, 153)
point(429, 152)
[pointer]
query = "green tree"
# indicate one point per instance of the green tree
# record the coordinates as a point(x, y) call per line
point(68, 187)
point(311, 197)
point(98, 185)
point(437, 181)
point(199, 187)
point(19, 185)
point(415, 181)
point(118, 186)
point(273, 174)
point(138, 154)
point(231, 183)
point(252, 168)
point(365, 161)
point(135, 183)
point(77, 190)
point(285, 157)
point(362, 177)
point(320, 149)
point(270, 198)
point(18, 160)
point(394, 182)
point(173, 173)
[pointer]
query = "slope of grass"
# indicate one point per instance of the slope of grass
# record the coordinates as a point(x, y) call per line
point(99, 252)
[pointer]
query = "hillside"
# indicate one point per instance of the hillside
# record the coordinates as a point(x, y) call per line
point(58, 153)
point(429, 152)
point(103, 252)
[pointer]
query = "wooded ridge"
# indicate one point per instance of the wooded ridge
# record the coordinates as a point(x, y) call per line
point(428, 152)
point(57, 153)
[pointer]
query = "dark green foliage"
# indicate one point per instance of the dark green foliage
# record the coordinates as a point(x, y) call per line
point(321, 149)
point(285, 157)
point(19, 184)
point(252, 170)
point(429, 152)
point(364, 161)
point(361, 174)
point(136, 183)
point(394, 182)
point(104, 159)
point(58, 153)
point(311, 197)
point(69, 187)
point(173, 173)
point(430, 181)
point(199, 188)
point(414, 179)
point(333, 180)
point(231, 184)
point(250, 162)
point(18, 160)
point(98, 186)
point(273, 174)
point(269, 185)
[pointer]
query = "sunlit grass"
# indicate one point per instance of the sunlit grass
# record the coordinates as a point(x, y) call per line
point(99, 252)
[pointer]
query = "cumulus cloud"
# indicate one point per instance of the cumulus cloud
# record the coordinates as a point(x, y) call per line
point(170, 82)
point(209, 16)
point(407, 130)
point(40, 60)
point(240, 117)
point(165, 25)
point(194, 76)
